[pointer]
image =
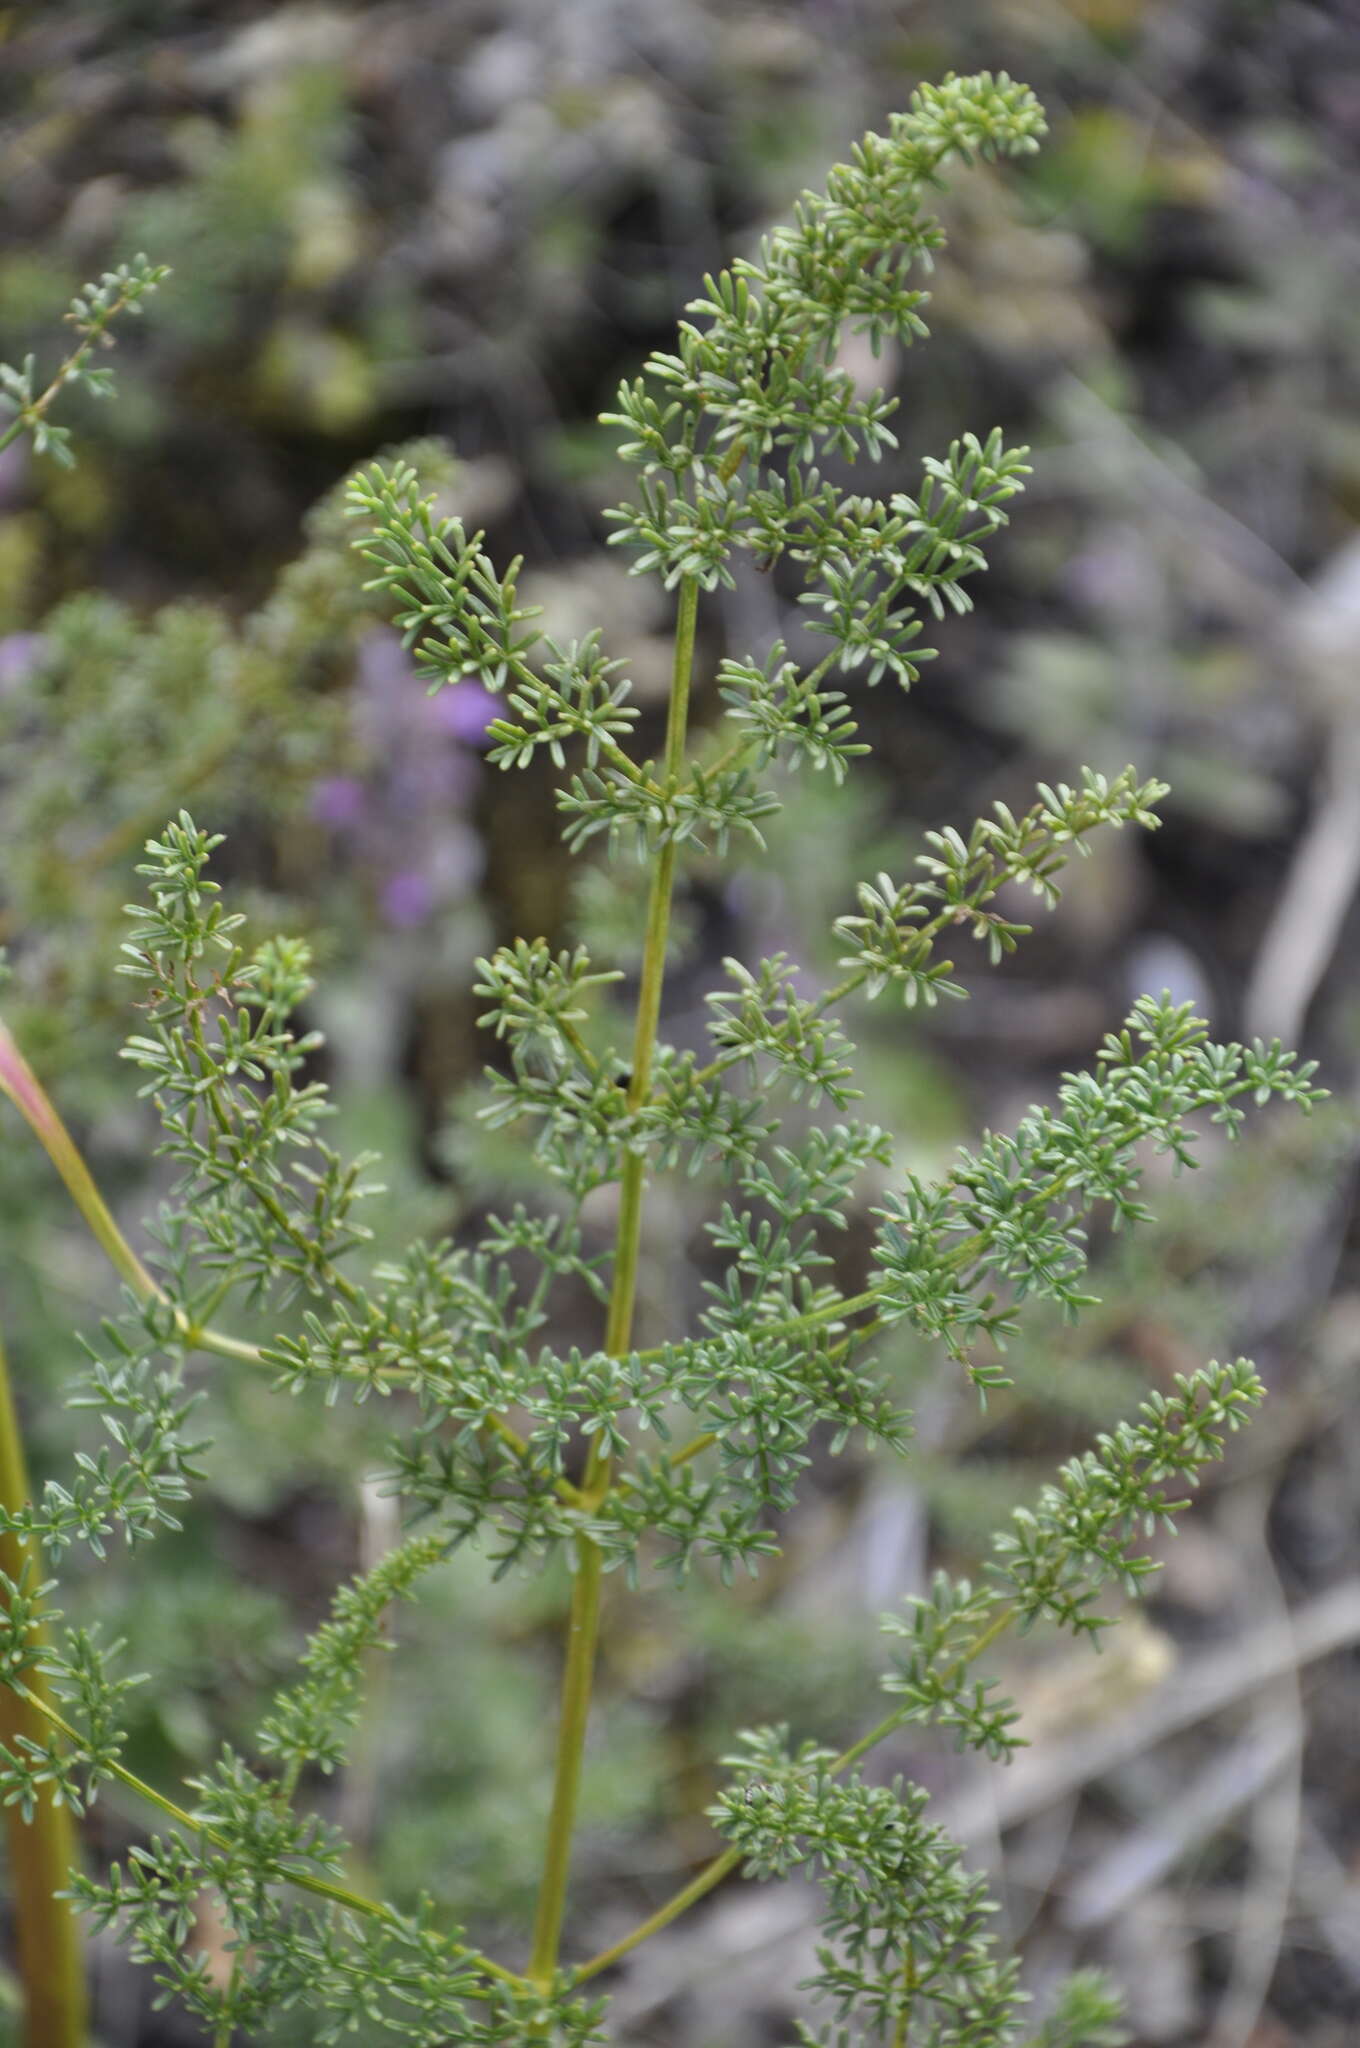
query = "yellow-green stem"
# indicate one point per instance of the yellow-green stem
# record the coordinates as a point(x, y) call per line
point(833, 1312)
point(29, 415)
point(902, 2031)
point(584, 1620)
point(698, 1887)
point(21, 1084)
point(583, 1628)
point(43, 1851)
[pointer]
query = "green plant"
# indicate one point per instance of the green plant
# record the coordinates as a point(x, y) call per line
point(54, 1991)
point(676, 1457)
point(92, 314)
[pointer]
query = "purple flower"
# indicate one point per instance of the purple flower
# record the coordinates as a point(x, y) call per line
point(337, 800)
point(407, 899)
point(420, 787)
point(466, 710)
point(20, 654)
point(386, 688)
point(384, 664)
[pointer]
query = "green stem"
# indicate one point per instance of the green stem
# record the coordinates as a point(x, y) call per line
point(698, 1887)
point(741, 748)
point(722, 1866)
point(578, 1046)
point(28, 415)
point(612, 751)
point(583, 1624)
point(583, 1628)
point(902, 2031)
point(21, 1084)
point(43, 1851)
point(880, 1732)
point(832, 1312)
point(619, 1324)
point(694, 1448)
point(842, 989)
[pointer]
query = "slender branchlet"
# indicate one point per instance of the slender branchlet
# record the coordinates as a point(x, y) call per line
point(92, 314)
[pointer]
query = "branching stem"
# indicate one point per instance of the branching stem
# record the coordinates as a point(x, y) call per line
point(722, 1866)
point(29, 415)
point(30, 1098)
point(303, 1880)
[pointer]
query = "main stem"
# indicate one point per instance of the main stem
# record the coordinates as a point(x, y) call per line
point(42, 1852)
point(583, 1624)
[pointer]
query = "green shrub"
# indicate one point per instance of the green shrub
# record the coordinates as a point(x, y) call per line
point(678, 1458)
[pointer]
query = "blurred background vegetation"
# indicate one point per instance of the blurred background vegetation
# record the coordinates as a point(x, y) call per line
point(456, 225)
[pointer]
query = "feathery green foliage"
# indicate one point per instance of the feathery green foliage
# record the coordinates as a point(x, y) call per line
point(682, 1455)
point(92, 314)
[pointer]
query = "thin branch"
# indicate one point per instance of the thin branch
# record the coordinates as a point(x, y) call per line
point(722, 1866)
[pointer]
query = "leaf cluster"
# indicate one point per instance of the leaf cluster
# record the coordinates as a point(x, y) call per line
point(905, 1936)
point(892, 939)
point(1010, 1213)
